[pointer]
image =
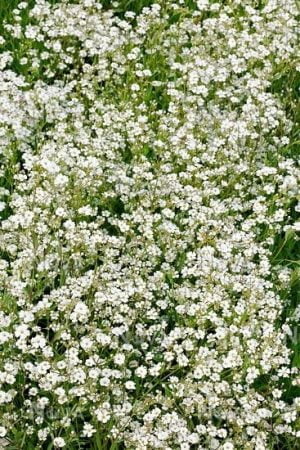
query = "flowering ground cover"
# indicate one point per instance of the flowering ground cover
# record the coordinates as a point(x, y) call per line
point(149, 239)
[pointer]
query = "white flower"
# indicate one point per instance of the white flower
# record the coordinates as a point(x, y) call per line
point(80, 313)
point(135, 87)
point(228, 446)
point(202, 5)
point(119, 359)
point(57, 46)
point(141, 371)
point(42, 434)
point(86, 343)
point(60, 180)
point(59, 442)
point(103, 415)
point(130, 385)
point(88, 430)
point(105, 381)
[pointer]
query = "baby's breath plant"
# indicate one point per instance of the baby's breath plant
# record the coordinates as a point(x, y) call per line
point(149, 238)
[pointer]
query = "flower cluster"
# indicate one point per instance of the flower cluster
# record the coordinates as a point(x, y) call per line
point(146, 178)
